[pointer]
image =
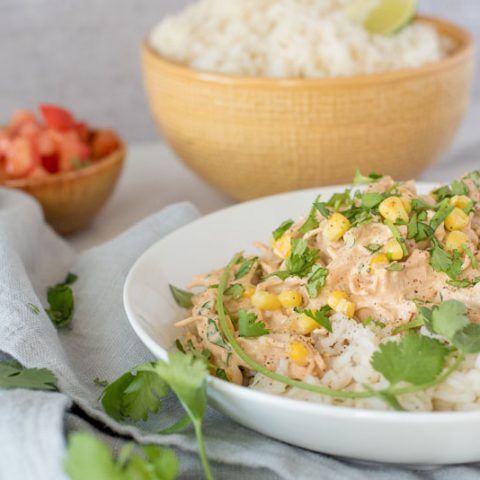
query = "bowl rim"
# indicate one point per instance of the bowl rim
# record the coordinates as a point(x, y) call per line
point(101, 164)
point(464, 50)
point(288, 403)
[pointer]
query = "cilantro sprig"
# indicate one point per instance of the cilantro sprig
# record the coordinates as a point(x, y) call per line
point(320, 316)
point(137, 394)
point(181, 297)
point(301, 260)
point(280, 230)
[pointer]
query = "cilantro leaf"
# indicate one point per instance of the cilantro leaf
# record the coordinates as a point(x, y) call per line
point(235, 291)
point(248, 326)
point(245, 267)
point(447, 318)
point(186, 376)
point(182, 297)
point(279, 231)
point(320, 316)
point(302, 258)
point(441, 261)
point(61, 305)
point(397, 236)
point(311, 222)
point(395, 267)
point(372, 199)
point(417, 322)
point(360, 179)
point(471, 256)
point(467, 340)
point(373, 247)
point(316, 280)
point(415, 359)
point(90, 458)
point(443, 211)
point(214, 335)
point(134, 394)
point(323, 209)
point(13, 375)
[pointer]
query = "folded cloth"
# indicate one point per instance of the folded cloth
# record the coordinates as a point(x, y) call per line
point(100, 343)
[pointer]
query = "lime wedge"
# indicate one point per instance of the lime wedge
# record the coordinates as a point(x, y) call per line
point(390, 16)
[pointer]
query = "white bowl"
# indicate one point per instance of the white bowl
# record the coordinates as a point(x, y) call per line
point(210, 242)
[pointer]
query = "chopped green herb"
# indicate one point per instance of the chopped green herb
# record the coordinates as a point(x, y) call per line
point(320, 316)
point(248, 326)
point(373, 247)
point(245, 268)
point(316, 280)
point(471, 256)
point(182, 297)
point(100, 382)
point(235, 291)
point(395, 267)
point(360, 179)
point(301, 260)
point(417, 322)
point(397, 236)
point(179, 346)
point(323, 209)
point(443, 211)
point(279, 231)
point(373, 199)
point(311, 222)
point(13, 375)
point(441, 261)
point(33, 308)
point(220, 373)
point(214, 335)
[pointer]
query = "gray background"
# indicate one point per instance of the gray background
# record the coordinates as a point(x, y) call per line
point(85, 54)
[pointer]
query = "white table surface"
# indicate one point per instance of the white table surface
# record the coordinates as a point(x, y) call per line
point(154, 178)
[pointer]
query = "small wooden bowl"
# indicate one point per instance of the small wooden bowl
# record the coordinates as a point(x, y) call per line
point(70, 200)
point(257, 136)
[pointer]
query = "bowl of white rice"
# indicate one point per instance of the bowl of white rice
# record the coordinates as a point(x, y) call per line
point(265, 96)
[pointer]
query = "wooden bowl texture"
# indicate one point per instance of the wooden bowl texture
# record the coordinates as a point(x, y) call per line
point(252, 137)
point(70, 200)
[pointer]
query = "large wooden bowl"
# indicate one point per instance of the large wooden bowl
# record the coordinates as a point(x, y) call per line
point(257, 136)
point(70, 200)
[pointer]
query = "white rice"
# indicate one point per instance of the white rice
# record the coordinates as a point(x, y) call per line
point(348, 351)
point(289, 38)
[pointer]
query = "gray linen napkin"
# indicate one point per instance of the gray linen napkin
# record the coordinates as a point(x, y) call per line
point(102, 344)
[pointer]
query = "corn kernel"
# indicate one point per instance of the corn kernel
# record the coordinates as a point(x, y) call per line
point(265, 301)
point(290, 298)
point(337, 225)
point(392, 209)
point(346, 308)
point(407, 204)
point(455, 240)
point(460, 201)
point(248, 293)
point(335, 298)
point(282, 247)
point(304, 325)
point(393, 249)
point(298, 353)
point(456, 220)
point(378, 259)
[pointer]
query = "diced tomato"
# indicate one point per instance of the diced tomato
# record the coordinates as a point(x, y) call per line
point(4, 144)
point(57, 117)
point(104, 142)
point(22, 157)
point(72, 149)
point(83, 131)
point(22, 119)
